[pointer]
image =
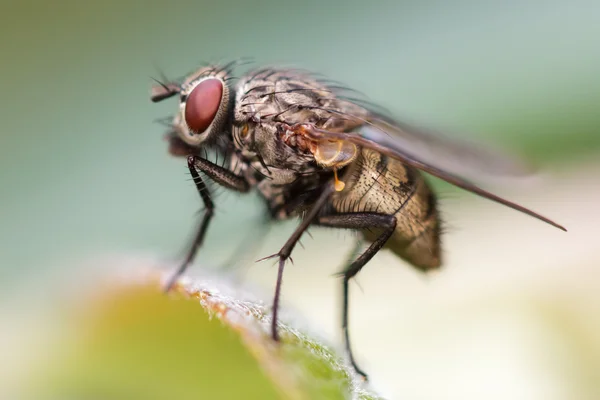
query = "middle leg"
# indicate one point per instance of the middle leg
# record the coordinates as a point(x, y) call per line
point(287, 248)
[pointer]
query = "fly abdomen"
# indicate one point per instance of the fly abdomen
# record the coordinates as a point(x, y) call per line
point(379, 184)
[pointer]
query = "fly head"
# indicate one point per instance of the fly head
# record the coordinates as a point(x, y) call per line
point(205, 105)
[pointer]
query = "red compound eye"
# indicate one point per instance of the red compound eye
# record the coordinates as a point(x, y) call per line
point(203, 104)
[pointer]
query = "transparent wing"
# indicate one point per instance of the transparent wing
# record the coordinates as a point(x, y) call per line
point(394, 150)
point(469, 160)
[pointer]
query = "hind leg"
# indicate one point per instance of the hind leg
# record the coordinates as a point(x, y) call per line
point(358, 221)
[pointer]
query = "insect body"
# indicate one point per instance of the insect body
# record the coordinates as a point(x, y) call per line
point(375, 183)
point(380, 185)
point(315, 153)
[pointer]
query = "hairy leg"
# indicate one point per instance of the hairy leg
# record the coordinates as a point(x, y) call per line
point(359, 221)
point(223, 177)
point(287, 248)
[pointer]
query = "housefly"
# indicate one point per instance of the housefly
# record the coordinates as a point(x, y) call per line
point(315, 153)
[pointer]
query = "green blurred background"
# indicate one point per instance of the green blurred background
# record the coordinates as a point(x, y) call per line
point(84, 172)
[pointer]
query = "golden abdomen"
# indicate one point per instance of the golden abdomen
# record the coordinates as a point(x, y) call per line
point(376, 183)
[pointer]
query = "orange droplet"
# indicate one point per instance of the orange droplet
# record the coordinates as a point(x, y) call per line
point(339, 185)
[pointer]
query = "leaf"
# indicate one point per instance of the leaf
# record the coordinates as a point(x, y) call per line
point(132, 341)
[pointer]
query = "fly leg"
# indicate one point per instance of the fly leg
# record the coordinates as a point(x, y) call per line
point(287, 248)
point(223, 177)
point(360, 221)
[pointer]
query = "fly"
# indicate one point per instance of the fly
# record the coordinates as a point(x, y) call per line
point(315, 153)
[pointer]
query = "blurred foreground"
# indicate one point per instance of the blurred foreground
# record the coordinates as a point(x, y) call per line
point(128, 340)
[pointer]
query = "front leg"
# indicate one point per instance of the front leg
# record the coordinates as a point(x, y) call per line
point(223, 177)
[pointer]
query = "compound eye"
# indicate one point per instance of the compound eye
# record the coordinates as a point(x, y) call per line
point(203, 104)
